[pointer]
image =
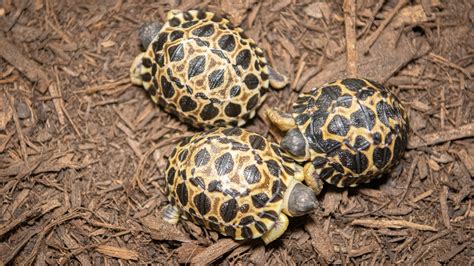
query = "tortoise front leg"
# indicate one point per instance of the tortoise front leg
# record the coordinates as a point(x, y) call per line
point(277, 230)
point(312, 179)
point(284, 121)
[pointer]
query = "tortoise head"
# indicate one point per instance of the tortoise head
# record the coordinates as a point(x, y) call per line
point(146, 34)
point(300, 201)
point(295, 143)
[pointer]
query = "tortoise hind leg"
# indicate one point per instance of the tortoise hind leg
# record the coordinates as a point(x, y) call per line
point(136, 70)
point(277, 80)
point(171, 214)
point(282, 120)
point(277, 230)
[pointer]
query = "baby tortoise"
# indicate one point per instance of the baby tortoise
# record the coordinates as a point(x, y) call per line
point(203, 69)
point(349, 131)
point(237, 183)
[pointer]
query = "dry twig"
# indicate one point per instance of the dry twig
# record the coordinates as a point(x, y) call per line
point(28, 67)
point(42, 234)
point(116, 252)
point(106, 86)
point(372, 38)
point(33, 213)
point(320, 240)
point(411, 172)
point(464, 131)
point(351, 39)
point(19, 132)
point(453, 252)
point(443, 201)
point(215, 251)
point(437, 58)
point(397, 224)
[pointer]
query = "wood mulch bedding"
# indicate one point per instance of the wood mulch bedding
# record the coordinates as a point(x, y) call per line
point(82, 150)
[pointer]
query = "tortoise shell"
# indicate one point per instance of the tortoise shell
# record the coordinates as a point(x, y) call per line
point(205, 70)
point(229, 180)
point(355, 129)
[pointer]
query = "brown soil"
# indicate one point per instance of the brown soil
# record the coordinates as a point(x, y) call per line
point(82, 151)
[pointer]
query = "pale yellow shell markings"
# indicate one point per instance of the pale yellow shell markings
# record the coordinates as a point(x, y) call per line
point(204, 70)
point(356, 130)
point(232, 181)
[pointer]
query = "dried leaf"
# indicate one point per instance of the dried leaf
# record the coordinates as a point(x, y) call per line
point(417, 105)
point(398, 211)
point(258, 255)
point(422, 167)
point(318, 10)
point(236, 9)
point(434, 165)
point(215, 251)
point(280, 5)
point(320, 240)
point(187, 251)
point(289, 47)
point(410, 15)
point(108, 43)
point(116, 252)
point(442, 158)
point(6, 112)
point(161, 230)
point(4, 139)
point(467, 160)
point(331, 202)
point(417, 121)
